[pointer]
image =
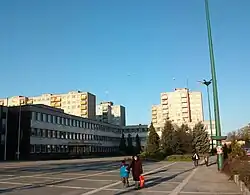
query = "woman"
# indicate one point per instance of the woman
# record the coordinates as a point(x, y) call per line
point(136, 167)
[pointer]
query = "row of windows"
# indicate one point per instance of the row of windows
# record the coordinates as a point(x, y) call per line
point(46, 133)
point(72, 122)
point(139, 130)
point(41, 148)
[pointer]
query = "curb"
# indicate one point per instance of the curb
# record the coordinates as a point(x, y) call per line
point(241, 185)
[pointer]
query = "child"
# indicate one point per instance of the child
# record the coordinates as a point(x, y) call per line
point(124, 173)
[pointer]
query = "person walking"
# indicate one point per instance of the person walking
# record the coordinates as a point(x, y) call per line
point(206, 159)
point(196, 159)
point(124, 173)
point(137, 170)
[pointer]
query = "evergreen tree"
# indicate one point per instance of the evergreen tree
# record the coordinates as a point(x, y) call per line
point(137, 144)
point(168, 141)
point(153, 141)
point(122, 145)
point(183, 140)
point(200, 141)
point(130, 147)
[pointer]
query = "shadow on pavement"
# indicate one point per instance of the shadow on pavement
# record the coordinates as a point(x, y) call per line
point(154, 181)
point(54, 168)
point(114, 165)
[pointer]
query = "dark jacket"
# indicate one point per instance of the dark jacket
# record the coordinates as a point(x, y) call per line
point(136, 167)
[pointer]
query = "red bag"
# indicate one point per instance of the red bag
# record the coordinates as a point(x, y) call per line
point(142, 181)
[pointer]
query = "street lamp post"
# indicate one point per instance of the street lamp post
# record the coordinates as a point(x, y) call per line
point(215, 92)
point(207, 83)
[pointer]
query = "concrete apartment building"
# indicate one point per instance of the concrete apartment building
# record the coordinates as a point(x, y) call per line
point(107, 112)
point(75, 102)
point(180, 106)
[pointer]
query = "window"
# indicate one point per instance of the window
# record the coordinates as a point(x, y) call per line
point(43, 133)
point(34, 132)
point(32, 148)
point(45, 118)
point(53, 134)
point(49, 118)
point(58, 134)
point(37, 148)
point(38, 116)
point(58, 120)
point(39, 132)
point(53, 119)
point(49, 134)
point(43, 148)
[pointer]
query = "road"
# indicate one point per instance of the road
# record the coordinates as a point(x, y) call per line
point(101, 177)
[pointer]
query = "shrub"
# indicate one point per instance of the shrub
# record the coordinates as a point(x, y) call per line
point(158, 156)
point(238, 166)
point(185, 157)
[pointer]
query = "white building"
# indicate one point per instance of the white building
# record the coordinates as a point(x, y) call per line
point(75, 102)
point(181, 107)
point(109, 113)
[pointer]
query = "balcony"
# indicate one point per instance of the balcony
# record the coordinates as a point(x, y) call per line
point(83, 102)
point(83, 107)
point(84, 97)
point(164, 103)
point(56, 99)
point(154, 120)
point(84, 112)
point(56, 104)
point(164, 97)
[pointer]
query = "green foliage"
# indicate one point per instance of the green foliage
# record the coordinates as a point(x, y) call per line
point(130, 147)
point(168, 140)
point(137, 144)
point(237, 150)
point(200, 141)
point(183, 140)
point(122, 145)
point(180, 157)
point(153, 141)
point(158, 156)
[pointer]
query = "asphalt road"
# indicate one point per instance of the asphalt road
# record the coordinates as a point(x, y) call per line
point(97, 177)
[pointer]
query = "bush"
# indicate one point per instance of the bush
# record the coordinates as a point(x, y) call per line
point(158, 156)
point(238, 166)
point(184, 157)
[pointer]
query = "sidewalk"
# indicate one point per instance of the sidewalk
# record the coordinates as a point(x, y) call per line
point(208, 181)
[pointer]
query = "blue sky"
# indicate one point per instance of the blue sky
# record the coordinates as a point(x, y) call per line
point(132, 49)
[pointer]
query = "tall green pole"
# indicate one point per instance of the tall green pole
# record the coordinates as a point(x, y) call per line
point(210, 117)
point(215, 92)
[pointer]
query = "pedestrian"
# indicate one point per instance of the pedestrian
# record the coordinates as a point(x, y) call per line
point(124, 173)
point(196, 159)
point(137, 170)
point(206, 159)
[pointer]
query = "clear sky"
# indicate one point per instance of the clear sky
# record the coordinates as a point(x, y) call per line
point(130, 49)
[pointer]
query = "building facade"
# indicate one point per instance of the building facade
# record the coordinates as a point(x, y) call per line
point(3, 127)
point(47, 133)
point(133, 130)
point(181, 107)
point(75, 102)
point(107, 112)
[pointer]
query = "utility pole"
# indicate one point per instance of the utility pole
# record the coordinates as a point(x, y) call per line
point(218, 136)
